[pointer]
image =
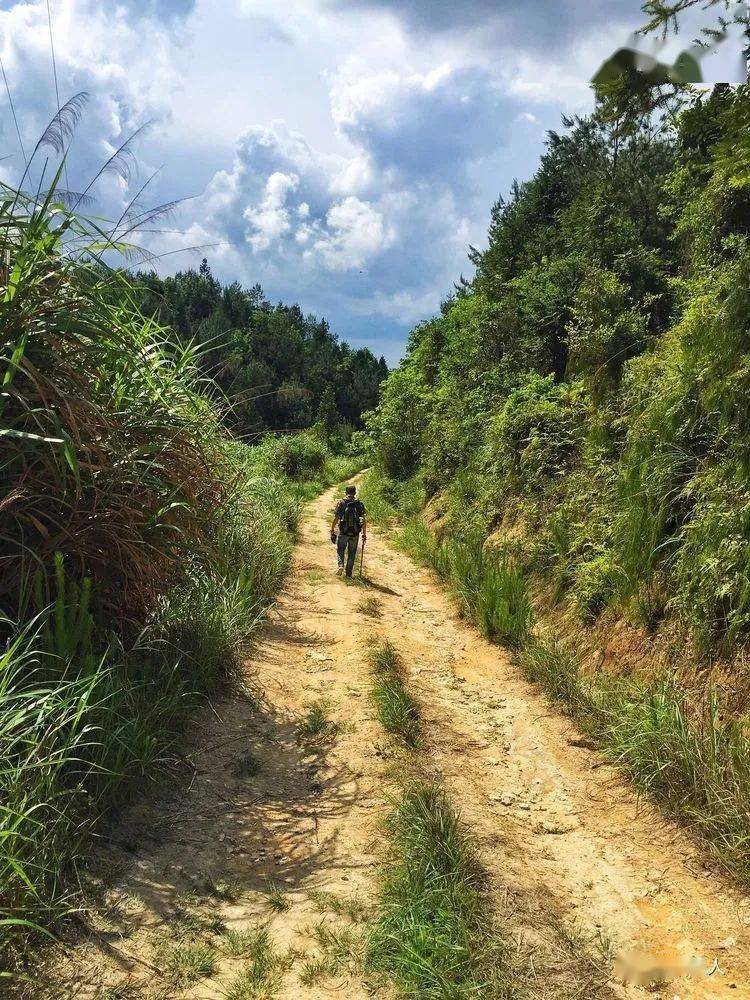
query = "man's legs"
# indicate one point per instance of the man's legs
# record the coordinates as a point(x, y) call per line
point(353, 542)
point(341, 549)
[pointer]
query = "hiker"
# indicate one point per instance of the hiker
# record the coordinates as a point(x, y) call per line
point(350, 519)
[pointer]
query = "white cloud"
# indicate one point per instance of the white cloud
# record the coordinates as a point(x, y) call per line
point(270, 219)
point(123, 63)
point(355, 232)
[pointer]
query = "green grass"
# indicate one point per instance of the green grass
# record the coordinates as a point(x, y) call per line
point(246, 943)
point(433, 937)
point(261, 977)
point(316, 726)
point(276, 900)
point(231, 891)
point(487, 583)
point(350, 907)
point(186, 962)
point(682, 752)
point(397, 710)
point(340, 948)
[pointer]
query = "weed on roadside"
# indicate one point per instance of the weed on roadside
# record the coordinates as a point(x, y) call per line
point(371, 607)
point(397, 710)
point(275, 898)
point(185, 962)
point(384, 658)
point(342, 906)
point(261, 977)
point(246, 766)
point(685, 755)
point(317, 725)
point(246, 943)
point(231, 891)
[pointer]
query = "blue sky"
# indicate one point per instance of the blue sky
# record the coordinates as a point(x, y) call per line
point(343, 153)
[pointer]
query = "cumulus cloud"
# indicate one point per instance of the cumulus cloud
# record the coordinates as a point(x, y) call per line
point(128, 73)
point(355, 232)
point(382, 228)
point(269, 220)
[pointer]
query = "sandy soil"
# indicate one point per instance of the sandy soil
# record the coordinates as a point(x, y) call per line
point(553, 822)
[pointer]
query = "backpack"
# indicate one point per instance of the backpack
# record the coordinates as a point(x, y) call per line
point(349, 522)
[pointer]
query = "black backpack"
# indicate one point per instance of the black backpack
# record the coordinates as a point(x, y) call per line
point(349, 522)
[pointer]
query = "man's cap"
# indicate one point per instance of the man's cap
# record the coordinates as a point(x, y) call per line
point(351, 490)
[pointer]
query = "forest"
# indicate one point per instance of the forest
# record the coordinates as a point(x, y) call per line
point(583, 398)
point(274, 364)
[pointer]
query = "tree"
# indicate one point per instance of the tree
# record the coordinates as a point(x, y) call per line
point(328, 418)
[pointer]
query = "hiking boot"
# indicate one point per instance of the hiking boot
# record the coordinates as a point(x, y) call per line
point(339, 571)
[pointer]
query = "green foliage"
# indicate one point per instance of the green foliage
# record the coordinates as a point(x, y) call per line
point(399, 425)
point(538, 434)
point(434, 938)
point(328, 419)
point(277, 368)
point(588, 391)
point(603, 331)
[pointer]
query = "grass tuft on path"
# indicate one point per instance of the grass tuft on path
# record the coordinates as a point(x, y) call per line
point(434, 936)
point(397, 710)
point(316, 726)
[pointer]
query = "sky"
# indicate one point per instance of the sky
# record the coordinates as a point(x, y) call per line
point(342, 153)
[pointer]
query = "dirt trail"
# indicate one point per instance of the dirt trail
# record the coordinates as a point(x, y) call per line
point(547, 811)
point(550, 818)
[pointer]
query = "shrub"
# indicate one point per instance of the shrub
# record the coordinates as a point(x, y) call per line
point(538, 434)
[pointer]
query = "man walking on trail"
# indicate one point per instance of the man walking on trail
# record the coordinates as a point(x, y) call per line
point(350, 519)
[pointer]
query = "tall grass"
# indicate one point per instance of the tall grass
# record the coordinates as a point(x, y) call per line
point(138, 547)
point(487, 583)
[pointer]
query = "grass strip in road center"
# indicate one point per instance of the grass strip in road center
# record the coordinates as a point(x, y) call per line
point(434, 934)
point(397, 710)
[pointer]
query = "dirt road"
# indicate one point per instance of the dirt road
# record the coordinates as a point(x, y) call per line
point(268, 822)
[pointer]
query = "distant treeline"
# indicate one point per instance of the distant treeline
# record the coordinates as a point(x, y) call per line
point(272, 362)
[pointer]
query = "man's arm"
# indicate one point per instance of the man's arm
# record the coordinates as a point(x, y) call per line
point(334, 524)
point(364, 524)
